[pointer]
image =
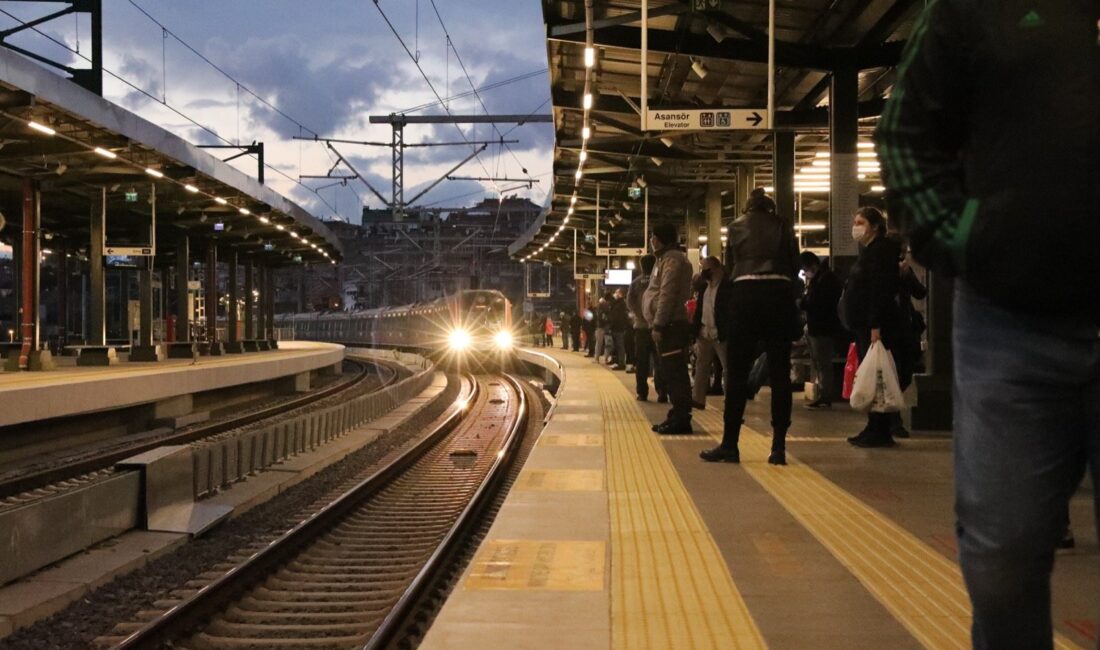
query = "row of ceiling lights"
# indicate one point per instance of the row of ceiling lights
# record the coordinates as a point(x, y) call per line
point(586, 133)
point(155, 173)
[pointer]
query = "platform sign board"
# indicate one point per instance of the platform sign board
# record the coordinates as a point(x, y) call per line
point(129, 225)
point(619, 252)
point(588, 276)
point(539, 294)
point(710, 119)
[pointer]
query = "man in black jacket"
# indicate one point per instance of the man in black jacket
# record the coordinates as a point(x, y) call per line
point(709, 324)
point(990, 146)
point(823, 325)
point(575, 330)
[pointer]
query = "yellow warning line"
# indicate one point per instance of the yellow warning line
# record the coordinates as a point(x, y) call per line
point(670, 587)
point(922, 589)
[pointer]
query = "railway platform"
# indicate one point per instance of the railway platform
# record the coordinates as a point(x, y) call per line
point(75, 390)
point(615, 537)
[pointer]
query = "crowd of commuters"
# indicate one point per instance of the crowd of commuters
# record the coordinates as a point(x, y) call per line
point(991, 161)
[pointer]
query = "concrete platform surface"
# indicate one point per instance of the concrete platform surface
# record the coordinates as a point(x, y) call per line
point(615, 537)
point(71, 390)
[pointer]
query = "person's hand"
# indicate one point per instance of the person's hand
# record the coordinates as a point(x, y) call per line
point(876, 335)
point(656, 337)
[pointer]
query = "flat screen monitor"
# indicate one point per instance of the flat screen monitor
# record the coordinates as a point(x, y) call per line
point(618, 277)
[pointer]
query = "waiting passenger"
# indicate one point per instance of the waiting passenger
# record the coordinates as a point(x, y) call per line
point(603, 316)
point(990, 148)
point(575, 330)
point(763, 253)
point(823, 326)
point(549, 330)
point(710, 327)
point(564, 326)
point(619, 321)
point(663, 307)
point(872, 311)
point(644, 351)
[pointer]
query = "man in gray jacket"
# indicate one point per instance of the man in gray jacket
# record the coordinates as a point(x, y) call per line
point(643, 340)
point(663, 305)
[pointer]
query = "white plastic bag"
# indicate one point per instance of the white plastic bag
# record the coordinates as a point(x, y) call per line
point(876, 387)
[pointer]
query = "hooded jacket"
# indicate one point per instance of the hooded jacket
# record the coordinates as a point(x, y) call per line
point(990, 149)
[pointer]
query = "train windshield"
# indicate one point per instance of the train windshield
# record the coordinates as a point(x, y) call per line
point(484, 311)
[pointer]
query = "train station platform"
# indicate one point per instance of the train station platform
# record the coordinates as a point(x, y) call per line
point(615, 537)
point(75, 390)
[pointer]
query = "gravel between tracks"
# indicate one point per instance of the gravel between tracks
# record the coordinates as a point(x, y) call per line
point(119, 600)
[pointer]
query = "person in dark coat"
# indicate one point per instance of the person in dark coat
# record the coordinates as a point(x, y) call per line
point(575, 330)
point(872, 309)
point(763, 256)
point(819, 302)
point(618, 323)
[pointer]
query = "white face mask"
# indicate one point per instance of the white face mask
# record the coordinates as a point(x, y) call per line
point(859, 232)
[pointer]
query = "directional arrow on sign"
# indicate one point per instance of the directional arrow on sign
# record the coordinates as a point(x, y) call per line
point(755, 119)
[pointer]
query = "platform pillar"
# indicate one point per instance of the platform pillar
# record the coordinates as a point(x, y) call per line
point(934, 407)
point(30, 356)
point(233, 341)
point(213, 345)
point(145, 350)
point(249, 300)
point(844, 165)
point(783, 177)
point(63, 290)
point(746, 181)
point(97, 294)
point(714, 222)
point(269, 306)
point(183, 294)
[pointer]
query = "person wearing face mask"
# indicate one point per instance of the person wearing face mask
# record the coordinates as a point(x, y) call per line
point(762, 251)
point(872, 310)
point(709, 325)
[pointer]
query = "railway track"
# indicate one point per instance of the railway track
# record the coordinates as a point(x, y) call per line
point(60, 474)
point(351, 571)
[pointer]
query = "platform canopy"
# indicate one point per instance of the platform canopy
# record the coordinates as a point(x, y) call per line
point(703, 55)
point(75, 143)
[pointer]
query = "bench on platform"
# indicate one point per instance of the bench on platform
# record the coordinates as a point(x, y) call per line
point(93, 355)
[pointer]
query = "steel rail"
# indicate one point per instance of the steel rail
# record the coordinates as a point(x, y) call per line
point(67, 470)
point(391, 625)
point(183, 618)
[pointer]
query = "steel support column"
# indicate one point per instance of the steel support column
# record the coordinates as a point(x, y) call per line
point(746, 181)
point(231, 320)
point(183, 292)
point(28, 311)
point(844, 162)
point(249, 300)
point(97, 289)
point(63, 290)
point(145, 350)
point(213, 345)
point(714, 222)
point(783, 178)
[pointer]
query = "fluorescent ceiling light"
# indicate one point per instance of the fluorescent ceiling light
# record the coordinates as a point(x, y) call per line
point(220, 201)
point(810, 226)
point(584, 155)
point(589, 57)
point(41, 128)
point(244, 211)
point(265, 220)
point(586, 133)
point(279, 226)
point(191, 188)
point(699, 69)
point(587, 101)
point(656, 161)
point(154, 173)
point(110, 155)
point(667, 142)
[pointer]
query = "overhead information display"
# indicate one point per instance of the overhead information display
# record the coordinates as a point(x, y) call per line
point(619, 252)
point(725, 119)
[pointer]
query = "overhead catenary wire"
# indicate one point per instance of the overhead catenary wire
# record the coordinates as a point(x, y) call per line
point(166, 105)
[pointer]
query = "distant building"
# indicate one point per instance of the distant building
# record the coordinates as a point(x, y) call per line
point(429, 254)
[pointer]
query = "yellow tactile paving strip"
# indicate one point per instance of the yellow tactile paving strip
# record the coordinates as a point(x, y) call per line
point(670, 587)
point(923, 590)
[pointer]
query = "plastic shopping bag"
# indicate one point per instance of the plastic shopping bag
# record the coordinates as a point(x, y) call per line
point(876, 387)
point(850, 367)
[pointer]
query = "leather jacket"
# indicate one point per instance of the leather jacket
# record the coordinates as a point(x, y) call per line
point(761, 243)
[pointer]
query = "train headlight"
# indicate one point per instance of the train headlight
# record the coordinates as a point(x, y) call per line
point(459, 340)
point(503, 339)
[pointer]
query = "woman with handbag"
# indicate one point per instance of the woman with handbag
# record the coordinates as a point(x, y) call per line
point(871, 307)
point(762, 254)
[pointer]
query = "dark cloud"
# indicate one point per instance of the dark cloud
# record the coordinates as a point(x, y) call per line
point(322, 96)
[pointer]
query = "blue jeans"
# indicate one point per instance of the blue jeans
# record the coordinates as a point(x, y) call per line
point(1027, 422)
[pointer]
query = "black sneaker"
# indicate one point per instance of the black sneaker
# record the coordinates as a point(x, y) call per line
point(873, 440)
point(899, 432)
point(819, 404)
point(859, 436)
point(673, 428)
point(720, 455)
point(777, 458)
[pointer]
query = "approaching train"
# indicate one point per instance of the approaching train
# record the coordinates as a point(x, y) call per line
point(475, 321)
